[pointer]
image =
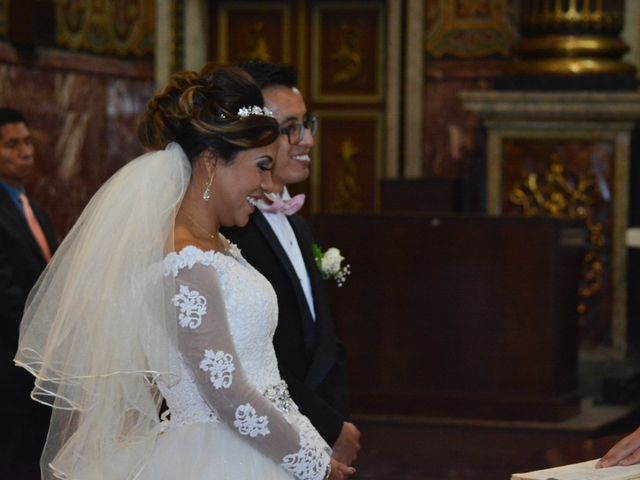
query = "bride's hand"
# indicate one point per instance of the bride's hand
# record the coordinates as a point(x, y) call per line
point(340, 471)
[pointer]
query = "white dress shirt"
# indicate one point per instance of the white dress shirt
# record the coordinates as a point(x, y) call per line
point(287, 238)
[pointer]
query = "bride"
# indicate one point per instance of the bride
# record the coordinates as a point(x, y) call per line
point(145, 301)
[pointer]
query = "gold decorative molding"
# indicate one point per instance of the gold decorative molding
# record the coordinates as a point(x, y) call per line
point(469, 29)
point(572, 66)
point(562, 37)
point(563, 15)
point(4, 18)
point(120, 27)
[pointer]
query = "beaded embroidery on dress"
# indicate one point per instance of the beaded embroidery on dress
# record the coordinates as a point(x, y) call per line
point(230, 415)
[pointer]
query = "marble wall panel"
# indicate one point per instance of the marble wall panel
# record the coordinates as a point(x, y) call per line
point(83, 123)
point(453, 137)
point(466, 47)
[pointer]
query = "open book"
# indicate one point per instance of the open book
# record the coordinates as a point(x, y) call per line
point(582, 471)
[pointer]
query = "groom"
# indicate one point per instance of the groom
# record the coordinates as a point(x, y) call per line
point(277, 242)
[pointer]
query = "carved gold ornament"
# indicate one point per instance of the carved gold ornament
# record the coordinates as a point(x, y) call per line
point(558, 195)
point(121, 27)
point(347, 188)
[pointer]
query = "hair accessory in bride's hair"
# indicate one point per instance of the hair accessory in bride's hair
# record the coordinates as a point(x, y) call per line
point(254, 110)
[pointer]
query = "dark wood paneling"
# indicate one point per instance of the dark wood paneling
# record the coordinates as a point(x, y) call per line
point(462, 316)
point(424, 449)
point(433, 195)
point(28, 29)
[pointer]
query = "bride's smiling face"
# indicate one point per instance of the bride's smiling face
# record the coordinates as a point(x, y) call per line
point(238, 185)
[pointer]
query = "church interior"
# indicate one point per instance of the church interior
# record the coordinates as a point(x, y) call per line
point(477, 163)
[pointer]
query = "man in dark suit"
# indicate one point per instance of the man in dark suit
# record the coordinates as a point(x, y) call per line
point(27, 241)
point(310, 358)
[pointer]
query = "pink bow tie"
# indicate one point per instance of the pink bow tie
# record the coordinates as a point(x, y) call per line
point(278, 205)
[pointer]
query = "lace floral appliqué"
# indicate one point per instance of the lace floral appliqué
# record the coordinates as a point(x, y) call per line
point(220, 365)
point(308, 462)
point(193, 307)
point(249, 423)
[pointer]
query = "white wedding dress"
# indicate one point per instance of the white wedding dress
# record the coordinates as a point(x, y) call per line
point(114, 322)
point(230, 415)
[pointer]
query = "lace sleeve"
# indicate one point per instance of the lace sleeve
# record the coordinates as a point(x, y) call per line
point(206, 345)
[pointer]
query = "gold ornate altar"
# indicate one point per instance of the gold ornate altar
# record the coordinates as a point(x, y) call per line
point(567, 154)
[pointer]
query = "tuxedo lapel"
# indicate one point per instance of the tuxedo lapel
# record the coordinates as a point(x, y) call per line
point(324, 354)
point(308, 325)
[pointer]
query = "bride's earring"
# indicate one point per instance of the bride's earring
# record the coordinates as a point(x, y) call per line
point(206, 195)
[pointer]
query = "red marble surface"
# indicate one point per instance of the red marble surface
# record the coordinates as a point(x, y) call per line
point(452, 135)
point(83, 112)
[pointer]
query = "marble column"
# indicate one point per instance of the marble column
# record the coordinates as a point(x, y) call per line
point(413, 87)
point(182, 37)
point(631, 33)
point(196, 34)
point(163, 42)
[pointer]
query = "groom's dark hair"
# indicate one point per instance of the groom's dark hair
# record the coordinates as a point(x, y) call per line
point(271, 74)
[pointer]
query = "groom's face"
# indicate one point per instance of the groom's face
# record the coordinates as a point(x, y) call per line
point(292, 162)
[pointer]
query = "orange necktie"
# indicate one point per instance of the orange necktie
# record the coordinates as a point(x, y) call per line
point(34, 226)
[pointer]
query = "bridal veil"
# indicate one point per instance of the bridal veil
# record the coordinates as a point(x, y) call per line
point(99, 328)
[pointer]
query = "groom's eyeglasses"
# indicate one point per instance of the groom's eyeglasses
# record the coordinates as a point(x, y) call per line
point(295, 131)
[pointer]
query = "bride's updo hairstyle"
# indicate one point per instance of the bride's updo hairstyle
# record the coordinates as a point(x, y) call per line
point(200, 112)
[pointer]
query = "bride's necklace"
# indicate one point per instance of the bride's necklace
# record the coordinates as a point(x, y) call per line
point(217, 238)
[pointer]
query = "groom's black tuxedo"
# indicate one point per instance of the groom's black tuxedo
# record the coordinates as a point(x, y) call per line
point(310, 358)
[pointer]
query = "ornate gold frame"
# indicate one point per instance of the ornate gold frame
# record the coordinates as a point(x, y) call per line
point(223, 24)
point(316, 62)
point(316, 166)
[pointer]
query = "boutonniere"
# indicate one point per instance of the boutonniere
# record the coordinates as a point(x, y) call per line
point(330, 264)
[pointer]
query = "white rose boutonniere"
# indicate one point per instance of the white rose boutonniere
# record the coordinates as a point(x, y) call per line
point(330, 264)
